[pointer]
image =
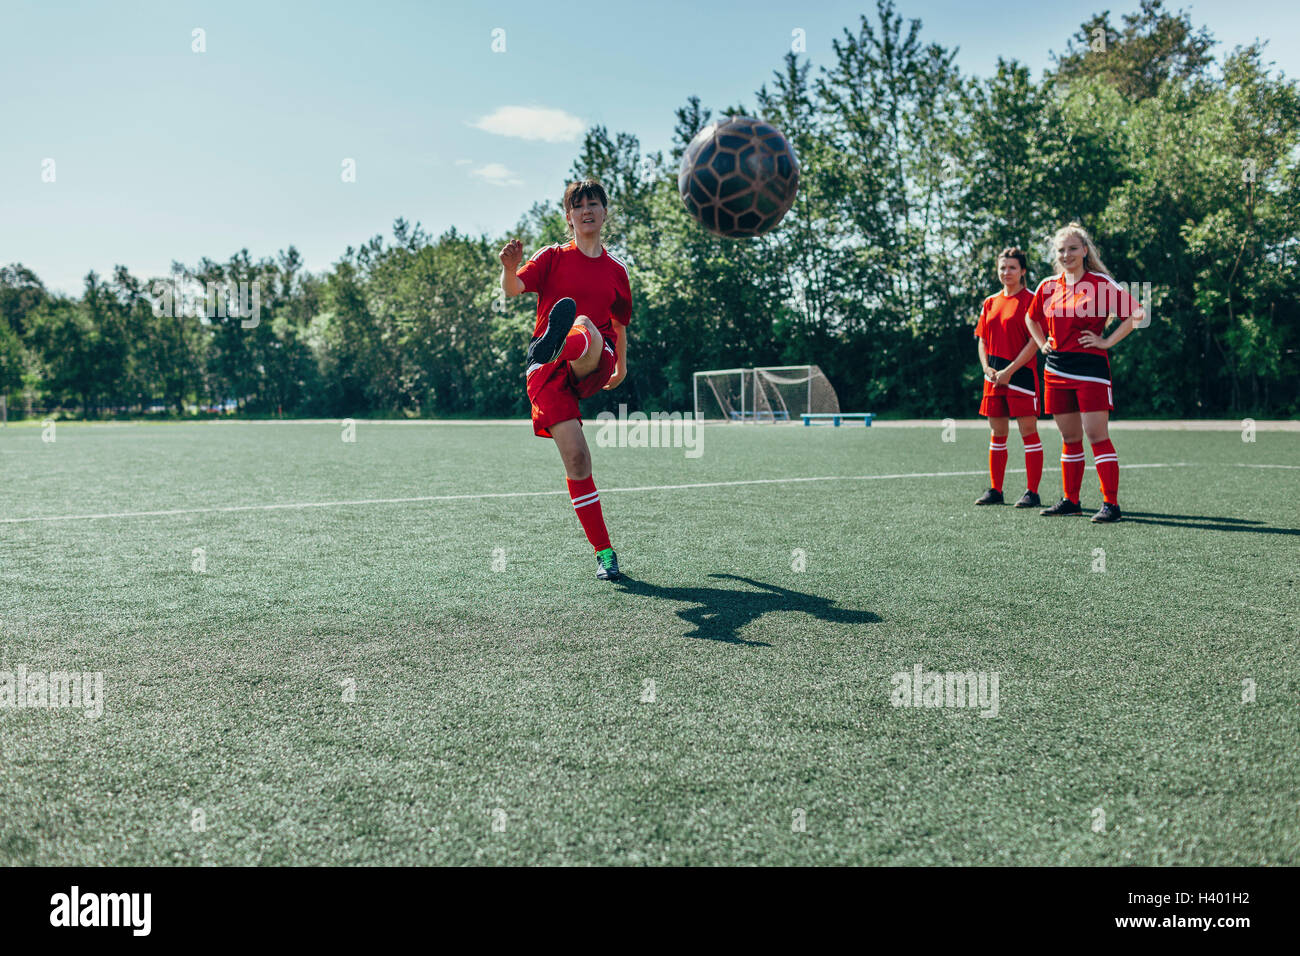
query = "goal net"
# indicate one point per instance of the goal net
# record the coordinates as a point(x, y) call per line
point(773, 393)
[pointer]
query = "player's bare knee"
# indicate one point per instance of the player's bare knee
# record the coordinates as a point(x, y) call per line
point(594, 340)
point(577, 463)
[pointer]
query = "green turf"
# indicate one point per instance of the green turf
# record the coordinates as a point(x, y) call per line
point(521, 690)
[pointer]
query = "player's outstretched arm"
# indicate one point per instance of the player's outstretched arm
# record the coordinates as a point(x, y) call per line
point(510, 256)
point(620, 361)
point(1024, 358)
point(1036, 333)
point(984, 360)
point(1093, 341)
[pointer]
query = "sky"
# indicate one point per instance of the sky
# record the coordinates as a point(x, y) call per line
point(121, 143)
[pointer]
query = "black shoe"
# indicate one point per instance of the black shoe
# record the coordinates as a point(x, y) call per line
point(545, 349)
point(1063, 507)
point(1108, 512)
point(607, 565)
point(990, 497)
point(1029, 499)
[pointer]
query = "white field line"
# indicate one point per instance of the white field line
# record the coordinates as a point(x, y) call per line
point(290, 506)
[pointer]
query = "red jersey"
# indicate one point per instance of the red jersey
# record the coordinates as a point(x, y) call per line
point(1002, 328)
point(1002, 324)
point(599, 286)
point(1064, 311)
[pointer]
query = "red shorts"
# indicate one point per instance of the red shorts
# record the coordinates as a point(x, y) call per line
point(1006, 402)
point(554, 391)
point(1062, 394)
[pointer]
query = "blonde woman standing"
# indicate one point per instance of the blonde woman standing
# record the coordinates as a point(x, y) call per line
point(1066, 319)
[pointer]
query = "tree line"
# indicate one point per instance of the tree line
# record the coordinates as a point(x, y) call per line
point(1183, 165)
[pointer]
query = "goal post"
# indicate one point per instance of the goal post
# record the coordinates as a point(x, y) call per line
point(763, 394)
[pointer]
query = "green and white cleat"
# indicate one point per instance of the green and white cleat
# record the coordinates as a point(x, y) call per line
point(607, 565)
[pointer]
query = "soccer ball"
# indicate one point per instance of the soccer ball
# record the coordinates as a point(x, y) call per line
point(738, 177)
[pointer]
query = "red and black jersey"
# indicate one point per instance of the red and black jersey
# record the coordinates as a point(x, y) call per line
point(599, 286)
point(1002, 327)
point(1066, 310)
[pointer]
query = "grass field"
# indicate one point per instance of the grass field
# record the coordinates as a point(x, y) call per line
point(498, 714)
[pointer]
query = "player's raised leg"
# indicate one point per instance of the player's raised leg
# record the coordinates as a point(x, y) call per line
point(1097, 427)
point(1028, 425)
point(582, 492)
point(582, 348)
point(550, 345)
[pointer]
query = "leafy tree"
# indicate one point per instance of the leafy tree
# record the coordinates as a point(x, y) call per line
point(912, 178)
point(1153, 47)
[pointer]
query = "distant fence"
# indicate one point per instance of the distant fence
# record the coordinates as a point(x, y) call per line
point(15, 412)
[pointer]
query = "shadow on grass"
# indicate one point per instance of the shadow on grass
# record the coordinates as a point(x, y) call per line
point(723, 611)
point(1205, 523)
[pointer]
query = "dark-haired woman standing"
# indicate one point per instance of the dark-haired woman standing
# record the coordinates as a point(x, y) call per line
point(1010, 378)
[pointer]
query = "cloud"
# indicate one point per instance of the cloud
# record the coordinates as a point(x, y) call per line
point(464, 162)
point(532, 122)
point(497, 175)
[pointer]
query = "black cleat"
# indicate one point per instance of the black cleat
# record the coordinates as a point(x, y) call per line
point(1063, 507)
point(545, 349)
point(607, 565)
point(1029, 499)
point(1108, 512)
point(990, 497)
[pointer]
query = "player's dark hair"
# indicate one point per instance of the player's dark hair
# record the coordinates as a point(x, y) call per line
point(576, 192)
point(1014, 252)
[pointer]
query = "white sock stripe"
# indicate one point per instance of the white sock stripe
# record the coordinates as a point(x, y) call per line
point(1071, 458)
point(593, 501)
point(583, 499)
point(1103, 458)
point(1033, 448)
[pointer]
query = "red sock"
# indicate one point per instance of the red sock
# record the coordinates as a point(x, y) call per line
point(586, 504)
point(1033, 461)
point(997, 460)
point(575, 343)
point(1071, 469)
point(1107, 462)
